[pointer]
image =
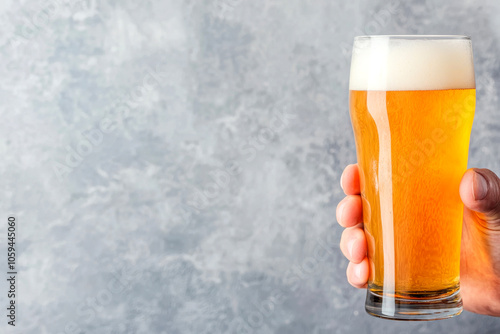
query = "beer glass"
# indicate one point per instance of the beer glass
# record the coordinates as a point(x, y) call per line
point(412, 102)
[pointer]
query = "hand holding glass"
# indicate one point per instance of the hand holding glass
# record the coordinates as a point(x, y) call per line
point(412, 102)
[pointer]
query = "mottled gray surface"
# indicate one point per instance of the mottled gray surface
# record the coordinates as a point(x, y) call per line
point(204, 200)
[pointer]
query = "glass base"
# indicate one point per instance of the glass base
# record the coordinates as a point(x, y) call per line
point(413, 309)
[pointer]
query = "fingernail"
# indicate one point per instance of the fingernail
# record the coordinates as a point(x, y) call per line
point(350, 246)
point(357, 271)
point(479, 187)
point(339, 217)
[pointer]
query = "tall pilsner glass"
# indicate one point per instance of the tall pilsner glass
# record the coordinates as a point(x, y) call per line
point(412, 101)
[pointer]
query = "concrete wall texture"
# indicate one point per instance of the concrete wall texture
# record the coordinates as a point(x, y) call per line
point(174, 165)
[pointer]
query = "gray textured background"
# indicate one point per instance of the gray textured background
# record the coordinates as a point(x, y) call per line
point(204, 200)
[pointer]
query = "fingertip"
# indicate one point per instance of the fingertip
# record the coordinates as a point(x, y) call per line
point(349, 181)
point(480, 192)
point(357, 274)
point(475, 189)
point(358, 248)
point(339, 212)
point(353, 244)
point(350, 211)
point(466, 190)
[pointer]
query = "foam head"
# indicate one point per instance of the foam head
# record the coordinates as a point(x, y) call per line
point(411, 63)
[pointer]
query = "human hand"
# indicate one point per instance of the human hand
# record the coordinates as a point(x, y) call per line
point(480, 252)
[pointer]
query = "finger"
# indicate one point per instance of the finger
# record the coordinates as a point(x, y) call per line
point(349, 181)
point(480, 192)
point(353, 244)
point(350, 211)
point(357, 274)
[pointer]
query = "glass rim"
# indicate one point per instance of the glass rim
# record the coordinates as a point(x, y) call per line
point(414, 37)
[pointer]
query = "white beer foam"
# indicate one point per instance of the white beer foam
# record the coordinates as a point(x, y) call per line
point(381, 63)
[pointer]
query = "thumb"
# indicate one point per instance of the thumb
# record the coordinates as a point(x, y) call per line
point(480, 192)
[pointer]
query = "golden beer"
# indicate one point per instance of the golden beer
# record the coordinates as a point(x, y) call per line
point(412, 132)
